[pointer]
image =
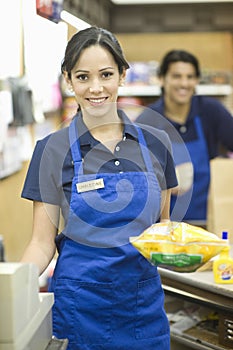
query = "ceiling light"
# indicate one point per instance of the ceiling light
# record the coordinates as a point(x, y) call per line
point(74, 21)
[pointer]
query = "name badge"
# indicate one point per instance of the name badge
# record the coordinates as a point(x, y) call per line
point(90, 185)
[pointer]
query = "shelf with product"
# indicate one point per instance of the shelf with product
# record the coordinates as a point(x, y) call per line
point(133, 98)
point(142, 86)
point(199, 310)
point(154, 90)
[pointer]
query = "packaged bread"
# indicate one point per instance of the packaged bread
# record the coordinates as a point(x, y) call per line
point(178, 246)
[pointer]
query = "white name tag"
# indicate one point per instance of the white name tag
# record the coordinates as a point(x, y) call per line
point(90, 185)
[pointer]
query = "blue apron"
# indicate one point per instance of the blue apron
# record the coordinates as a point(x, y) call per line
point(193, 204)
point(107, 295)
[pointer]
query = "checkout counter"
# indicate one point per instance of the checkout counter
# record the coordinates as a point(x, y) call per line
point(199, 288)
point(25, 314)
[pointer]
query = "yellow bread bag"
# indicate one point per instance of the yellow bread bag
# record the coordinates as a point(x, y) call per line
point(177, 246)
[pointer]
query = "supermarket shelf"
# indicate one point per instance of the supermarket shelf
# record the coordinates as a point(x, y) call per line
point(198, 343)
point(139, 90)
point(199, 288)
point(215, 90)
point(13, 168)
point(154, 90)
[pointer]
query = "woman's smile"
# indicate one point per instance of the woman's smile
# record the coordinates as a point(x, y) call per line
point(95, 78)
point(97, 101)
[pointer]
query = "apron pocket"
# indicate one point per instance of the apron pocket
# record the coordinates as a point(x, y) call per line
point(83, 311)
point(151, 319)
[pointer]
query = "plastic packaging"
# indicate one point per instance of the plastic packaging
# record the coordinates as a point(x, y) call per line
point(178, 246)
point(223, 265)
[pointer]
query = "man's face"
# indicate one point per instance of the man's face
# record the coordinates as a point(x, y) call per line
point(179, 82)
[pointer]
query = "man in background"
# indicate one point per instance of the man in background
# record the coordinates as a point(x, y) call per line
point(200, 123)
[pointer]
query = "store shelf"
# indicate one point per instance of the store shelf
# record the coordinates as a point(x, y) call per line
point(154, 90)
point(214, 90)
point(199, 342)
point(139, 90)
point(13, 168)
point(199, 288)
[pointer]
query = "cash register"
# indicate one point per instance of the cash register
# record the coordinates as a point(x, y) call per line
point(25, 313)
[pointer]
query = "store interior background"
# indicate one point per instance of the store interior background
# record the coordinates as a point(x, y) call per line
point(33, 47)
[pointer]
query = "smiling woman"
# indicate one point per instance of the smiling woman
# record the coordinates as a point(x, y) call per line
point(111, 180)
point(95, 79)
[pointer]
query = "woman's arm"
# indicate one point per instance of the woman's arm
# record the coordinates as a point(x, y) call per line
point(165, 205)
point(41, 248)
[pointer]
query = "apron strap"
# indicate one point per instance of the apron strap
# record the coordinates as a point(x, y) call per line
point(76, 151)
point(75, 147)
point(144, 149)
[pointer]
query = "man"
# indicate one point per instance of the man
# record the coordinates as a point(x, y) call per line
point(198, 124)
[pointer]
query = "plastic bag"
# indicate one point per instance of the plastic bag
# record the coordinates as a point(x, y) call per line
point(178, 246)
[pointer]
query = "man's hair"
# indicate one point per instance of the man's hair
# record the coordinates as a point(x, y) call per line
point(178, 56)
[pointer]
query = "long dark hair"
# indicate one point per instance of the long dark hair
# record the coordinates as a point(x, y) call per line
point(89, 37)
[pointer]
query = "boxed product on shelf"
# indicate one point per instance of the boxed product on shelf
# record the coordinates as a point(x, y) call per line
point(142, 73)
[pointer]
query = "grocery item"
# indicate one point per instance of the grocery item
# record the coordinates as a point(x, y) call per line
point(178, 246)
point(223, 265)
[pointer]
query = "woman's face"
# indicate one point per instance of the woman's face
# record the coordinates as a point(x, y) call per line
point(95, 79)
point(179, 82)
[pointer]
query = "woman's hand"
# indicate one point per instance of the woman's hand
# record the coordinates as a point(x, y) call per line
point(41, 248)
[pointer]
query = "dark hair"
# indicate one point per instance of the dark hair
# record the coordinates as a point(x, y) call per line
point(89, 37)
point(178, 56)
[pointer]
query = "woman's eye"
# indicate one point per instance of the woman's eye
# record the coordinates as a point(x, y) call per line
point(107, 74)
point(82, 77)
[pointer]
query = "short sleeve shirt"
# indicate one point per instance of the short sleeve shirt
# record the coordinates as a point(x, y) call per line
point(51, 170)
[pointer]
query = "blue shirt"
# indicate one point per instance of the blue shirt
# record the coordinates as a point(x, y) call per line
point(217, 123)
point(51, 171)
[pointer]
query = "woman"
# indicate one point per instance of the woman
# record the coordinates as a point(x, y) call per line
point(109, 185)
point(198, 125)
